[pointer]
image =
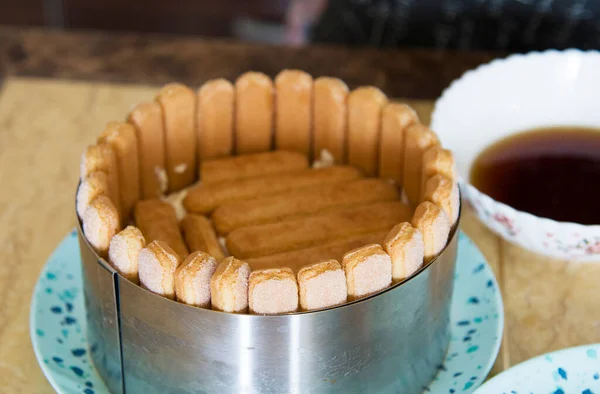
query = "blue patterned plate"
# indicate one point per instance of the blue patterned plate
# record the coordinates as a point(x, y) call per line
point(569, 371)
point(58, 327)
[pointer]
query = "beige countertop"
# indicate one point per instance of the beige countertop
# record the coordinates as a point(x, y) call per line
point(44, 125)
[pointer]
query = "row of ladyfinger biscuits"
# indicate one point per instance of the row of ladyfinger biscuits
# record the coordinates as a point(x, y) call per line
point(231, 286)
point(158, 148)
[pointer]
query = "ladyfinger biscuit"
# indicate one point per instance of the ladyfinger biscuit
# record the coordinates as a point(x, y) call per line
point(443, 192)
point(433, 223)
point(332, 250)
point(192, 279)
point(437, 160)
point(214, 119)
point(102, 157)
point(157, 263)
point(329, 117)
point(284, 236)
point(251, 165)
point(272, 291)
point(100, 223)
point(200, 235)
point(368, 270)
point(158, 222)
point(293, 101)
point(124, 250)
point(204, 198)
point(121, 136)
point(92, 186)
point(418, 139)
point(322, 285)
point(178, 103)
point(404, 244)
point(364, 118)
point(229, 286)
point(298, 203)
point(148, 121)
point(253, 113)
point(395, 118)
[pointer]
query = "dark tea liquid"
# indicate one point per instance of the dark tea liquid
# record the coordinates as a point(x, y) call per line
point(549, 172)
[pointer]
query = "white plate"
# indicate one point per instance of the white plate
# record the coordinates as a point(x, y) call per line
point(58, 325)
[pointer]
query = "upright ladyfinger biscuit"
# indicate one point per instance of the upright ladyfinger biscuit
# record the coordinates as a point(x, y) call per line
point(157, 263)
point(364, 118)
point(121, 136)
point(272, 291)
point(418, 139)
point(91, 187)
point(253, 113)
point(293, 95)
point(214, 119)
point(302, 202)
point(368, 270)
point(204, 198)
point(329, 117)
point(157, 221)
point(437, 160)
point(322, 285)
point(102, 157)
point(229, 286)
point(433, 223)
point(148, 121)
point(443, 192)
point(200, 235)
point(192, 279)
point(251, 165)
point(124, 250)
point(266, 239)
point(178, 103)
point(100, 223)
point(404, 244)
point(394, 121)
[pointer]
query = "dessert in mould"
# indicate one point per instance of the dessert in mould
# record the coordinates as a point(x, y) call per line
point(289, 194)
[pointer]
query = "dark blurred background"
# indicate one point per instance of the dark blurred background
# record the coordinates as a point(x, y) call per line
point(511, 25)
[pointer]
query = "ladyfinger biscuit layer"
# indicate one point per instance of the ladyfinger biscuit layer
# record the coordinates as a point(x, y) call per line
point(100, 223)
point(192, 279)
point(404, 244)
point(157, 263)
point(200, 235)
point(157, 221)
point(364, 119)
point(443, 192)
point(121, 136)
point(204, 198)
point(394, 121)
point(148, 121)
point(124, 250)
point(437, 160)
point(229, 286)
point(293, 101)
point(251, 165)
point(298, 203)
point(322, 285)
point(178, 103)
point(329, 117)
point(214, 119)
point(331, 250)
point(253, 113)
point(433, 223)
point(102, 157)
point(284, 236)
point(272, 291)
point(92, 186)
point(418, 139)
point(368, 270)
